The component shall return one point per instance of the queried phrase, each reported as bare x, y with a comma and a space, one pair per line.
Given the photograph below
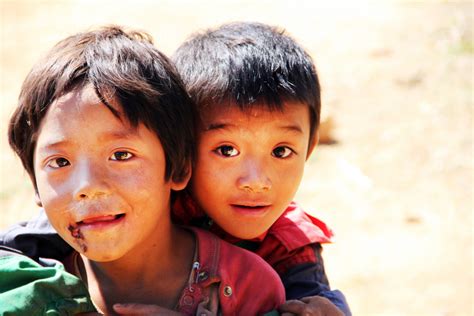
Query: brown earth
397, 77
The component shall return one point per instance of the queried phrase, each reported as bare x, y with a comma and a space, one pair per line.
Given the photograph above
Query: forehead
80, 113
294, 112
80, 101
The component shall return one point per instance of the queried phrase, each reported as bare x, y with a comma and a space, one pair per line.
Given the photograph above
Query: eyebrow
222, 126
57, 143
218, 126
127, 134
51, 145
292, 128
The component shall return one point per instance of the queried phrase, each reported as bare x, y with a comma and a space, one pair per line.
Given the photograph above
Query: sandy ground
397, 77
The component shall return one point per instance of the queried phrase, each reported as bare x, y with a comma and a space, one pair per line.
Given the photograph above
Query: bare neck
154, 272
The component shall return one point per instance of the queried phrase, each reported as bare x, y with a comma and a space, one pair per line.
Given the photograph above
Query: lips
250, 203
251, 209
101, 220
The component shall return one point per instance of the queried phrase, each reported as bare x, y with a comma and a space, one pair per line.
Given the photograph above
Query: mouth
251, 209
101, 221
250, 206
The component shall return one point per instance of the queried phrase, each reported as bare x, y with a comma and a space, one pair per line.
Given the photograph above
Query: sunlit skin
102, 184
250, 164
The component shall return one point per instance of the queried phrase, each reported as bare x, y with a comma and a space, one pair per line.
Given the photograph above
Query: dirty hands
310, 306
154, 310
137, 309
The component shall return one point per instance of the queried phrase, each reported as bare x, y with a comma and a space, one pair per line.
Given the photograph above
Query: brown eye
227, 151
121, 155
58, 163
282, 152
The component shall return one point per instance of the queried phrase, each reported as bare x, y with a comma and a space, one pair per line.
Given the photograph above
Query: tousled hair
248, 64
119, 64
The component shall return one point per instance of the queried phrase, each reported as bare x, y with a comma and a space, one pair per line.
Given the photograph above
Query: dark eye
282, 152
58, 163
227, 151
121, 155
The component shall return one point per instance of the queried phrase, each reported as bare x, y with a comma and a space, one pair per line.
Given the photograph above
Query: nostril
247, 188
82, 195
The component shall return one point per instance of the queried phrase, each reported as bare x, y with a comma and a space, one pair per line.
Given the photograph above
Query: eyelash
290, 152
219, 149
127, 153
55, 160
60, 162
287, 151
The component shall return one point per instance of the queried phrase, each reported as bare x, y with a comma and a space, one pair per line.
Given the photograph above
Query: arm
293, 248
27, 288
309, 279
36, 239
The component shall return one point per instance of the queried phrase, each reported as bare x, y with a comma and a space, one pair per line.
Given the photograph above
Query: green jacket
29, 288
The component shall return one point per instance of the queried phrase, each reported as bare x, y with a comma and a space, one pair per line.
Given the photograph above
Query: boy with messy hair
258, 99
104, 129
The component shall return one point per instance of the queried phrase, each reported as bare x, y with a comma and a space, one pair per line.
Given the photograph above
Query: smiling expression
101, 181
250, 164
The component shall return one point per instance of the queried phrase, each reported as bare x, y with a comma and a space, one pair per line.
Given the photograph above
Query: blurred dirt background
397, 78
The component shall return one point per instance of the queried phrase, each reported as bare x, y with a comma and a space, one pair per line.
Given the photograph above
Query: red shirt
237, 280
225, 280
287, 242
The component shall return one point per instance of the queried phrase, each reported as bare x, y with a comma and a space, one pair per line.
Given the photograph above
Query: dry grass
398, 82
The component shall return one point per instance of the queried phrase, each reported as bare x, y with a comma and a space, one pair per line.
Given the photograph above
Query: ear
182, 183
313, 144
38, 199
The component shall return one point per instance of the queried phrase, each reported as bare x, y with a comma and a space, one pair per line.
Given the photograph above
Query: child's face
101, 182
250, 165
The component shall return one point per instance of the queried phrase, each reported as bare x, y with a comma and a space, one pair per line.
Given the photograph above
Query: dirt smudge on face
78, 236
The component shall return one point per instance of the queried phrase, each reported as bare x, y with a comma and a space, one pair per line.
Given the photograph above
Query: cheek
55, 199
55, 187
204, 185
290, 177
142, 186
136, 176
60, 217
204, 172
139, 184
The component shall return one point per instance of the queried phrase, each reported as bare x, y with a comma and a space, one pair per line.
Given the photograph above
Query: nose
254, 177
90, 181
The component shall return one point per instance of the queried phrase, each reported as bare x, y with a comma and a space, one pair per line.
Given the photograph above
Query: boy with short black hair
104, 128
258, 99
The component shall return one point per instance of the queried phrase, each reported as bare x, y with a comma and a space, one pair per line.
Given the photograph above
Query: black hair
119, 64
248, 64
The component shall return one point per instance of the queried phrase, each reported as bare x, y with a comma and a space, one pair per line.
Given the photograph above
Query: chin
98, 254
101, 256
248, 233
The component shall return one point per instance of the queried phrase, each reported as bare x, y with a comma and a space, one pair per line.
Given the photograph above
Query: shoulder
295, 228
231, 260
30, 288
294, 239
35, 238
247, 283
